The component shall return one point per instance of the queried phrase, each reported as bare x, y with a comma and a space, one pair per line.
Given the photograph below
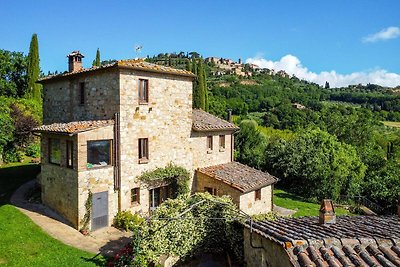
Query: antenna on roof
138, 48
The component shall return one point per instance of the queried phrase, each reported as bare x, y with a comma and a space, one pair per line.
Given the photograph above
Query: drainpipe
117, 156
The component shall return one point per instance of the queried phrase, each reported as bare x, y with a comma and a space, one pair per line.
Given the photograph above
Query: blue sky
315, 39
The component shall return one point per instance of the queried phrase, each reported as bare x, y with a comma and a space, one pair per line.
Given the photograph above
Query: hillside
320, 141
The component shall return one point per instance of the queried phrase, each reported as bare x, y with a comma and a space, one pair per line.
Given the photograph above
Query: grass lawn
22, 242
291, 201
395, 124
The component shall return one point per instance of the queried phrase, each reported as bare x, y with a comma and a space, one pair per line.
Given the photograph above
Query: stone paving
106, 241
283, 211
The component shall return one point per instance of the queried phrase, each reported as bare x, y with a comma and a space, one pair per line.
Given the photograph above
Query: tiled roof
73, 127
136, 64
351, 241
203, 121
239, 176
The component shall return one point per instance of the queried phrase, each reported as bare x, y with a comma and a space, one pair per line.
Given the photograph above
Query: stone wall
96, 179
203, 181
249, 205
262, 252
202, 157
165, 120
59, 183
245, 201
66, 190
61, 98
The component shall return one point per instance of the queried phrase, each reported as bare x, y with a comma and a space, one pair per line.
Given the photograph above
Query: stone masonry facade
165, 120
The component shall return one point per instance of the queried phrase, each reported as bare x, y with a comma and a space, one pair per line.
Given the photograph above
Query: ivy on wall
86, 218
177, 177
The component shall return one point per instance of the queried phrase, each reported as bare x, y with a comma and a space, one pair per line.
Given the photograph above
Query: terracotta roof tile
204, 121
239, 176
351, 241
73, 127
136, 64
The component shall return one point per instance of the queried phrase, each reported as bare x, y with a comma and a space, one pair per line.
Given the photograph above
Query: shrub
127, 221
12, 155
33, 150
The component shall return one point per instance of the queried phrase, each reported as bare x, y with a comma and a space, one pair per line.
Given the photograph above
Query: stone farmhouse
105, 126
324, 241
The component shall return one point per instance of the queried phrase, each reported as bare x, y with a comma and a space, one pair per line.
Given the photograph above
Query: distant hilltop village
228, 66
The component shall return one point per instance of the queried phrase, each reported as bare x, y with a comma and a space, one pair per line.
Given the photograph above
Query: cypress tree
97, 61
205, 89
196, 92
201, 85
34, 89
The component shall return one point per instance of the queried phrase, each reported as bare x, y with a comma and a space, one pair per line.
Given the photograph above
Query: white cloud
293, 66
383, 35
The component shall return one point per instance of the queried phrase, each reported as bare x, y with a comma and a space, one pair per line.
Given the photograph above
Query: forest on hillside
321, 142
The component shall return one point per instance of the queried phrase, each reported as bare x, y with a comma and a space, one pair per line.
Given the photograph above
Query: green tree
13, 75
97, 61
316, 164
201, 86
34, 89
188, 65
250, 144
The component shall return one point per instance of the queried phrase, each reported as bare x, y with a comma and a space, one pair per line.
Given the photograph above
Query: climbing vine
177, 177
186, 228
88, 206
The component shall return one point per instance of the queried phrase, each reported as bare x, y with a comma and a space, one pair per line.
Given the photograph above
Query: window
143, 91
82, 93
99, 153
143, 150
209, 143
54, 151
135, 195
257, 194
70, 154
222, 143
159, 195
212, 191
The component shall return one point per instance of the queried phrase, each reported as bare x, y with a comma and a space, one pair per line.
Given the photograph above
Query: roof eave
157, 71
72, 74
233, 130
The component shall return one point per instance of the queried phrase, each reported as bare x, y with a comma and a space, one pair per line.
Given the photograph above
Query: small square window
209, 143
135, 195
212, 191
99, 153
54, 151
143, 91
257, 194
143, 150
221, 142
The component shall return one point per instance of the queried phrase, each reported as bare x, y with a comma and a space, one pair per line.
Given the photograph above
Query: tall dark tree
327, 85
196, 91
201, 85
34, 89
97, 61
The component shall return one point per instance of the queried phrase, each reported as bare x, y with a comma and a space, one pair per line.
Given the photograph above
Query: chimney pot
327, 212
75, 61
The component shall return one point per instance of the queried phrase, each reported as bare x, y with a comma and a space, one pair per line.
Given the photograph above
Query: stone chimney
229, 115
327, 212
75, 61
